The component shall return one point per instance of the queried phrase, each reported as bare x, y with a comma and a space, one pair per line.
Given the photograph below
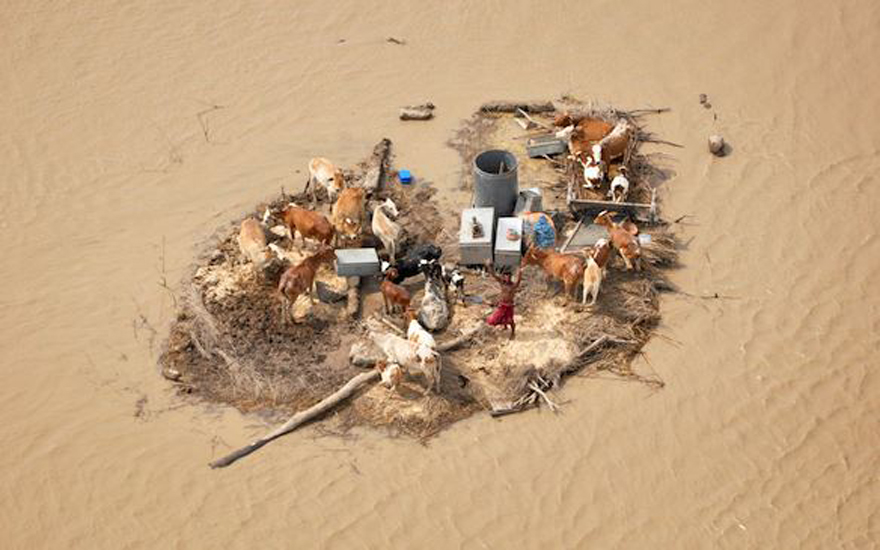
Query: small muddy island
361, 297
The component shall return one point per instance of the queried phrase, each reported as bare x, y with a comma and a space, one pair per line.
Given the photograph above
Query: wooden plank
512, 106
573, 233
608, 205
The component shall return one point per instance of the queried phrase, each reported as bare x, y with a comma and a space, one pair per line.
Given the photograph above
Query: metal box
529, 200
508, 252
360, 262
476, 251
545, 145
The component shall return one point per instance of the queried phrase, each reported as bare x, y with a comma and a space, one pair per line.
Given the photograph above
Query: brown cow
348, 213
324, 173
252, 243
308, 223
300, 279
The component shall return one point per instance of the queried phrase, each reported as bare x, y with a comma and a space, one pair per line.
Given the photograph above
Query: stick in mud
302, 417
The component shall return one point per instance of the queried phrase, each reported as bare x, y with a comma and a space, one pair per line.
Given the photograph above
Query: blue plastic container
405, 177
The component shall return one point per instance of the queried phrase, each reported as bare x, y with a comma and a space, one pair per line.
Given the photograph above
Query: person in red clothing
503, 314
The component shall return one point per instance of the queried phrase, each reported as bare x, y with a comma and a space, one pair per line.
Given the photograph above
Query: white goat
593, 172
410, 356
592, 279
619, 187
454, 280
386, 230
390, 373
417, 334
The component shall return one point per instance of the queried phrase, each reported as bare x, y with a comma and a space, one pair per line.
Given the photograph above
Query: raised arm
518, 278
491, 268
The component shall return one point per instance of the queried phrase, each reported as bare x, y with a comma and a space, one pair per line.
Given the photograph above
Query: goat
252, 243
425, 251
619, 187
434, 312
386, 230
432, 270
391, 374
414, 262
348, 213
601, 253
454, 280
394, 295
300, 279
416, 333
623, 238
594, 172
399, 272
324, 173
614, 145
566, 267
308, 223
592, 280
410, 356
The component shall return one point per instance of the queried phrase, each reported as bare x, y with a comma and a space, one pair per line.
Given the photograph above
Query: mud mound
230, 344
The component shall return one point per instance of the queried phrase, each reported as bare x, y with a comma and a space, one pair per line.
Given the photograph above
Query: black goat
415, 262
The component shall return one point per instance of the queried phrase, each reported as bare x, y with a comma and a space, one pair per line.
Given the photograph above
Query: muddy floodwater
129, 132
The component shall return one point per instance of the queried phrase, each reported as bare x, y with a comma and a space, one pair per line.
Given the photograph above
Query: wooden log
464, 337
378, 166
499, 409
609, 205
533, 121
573, 233
408, 113
512, 106
573, 366
302, 417
425, 111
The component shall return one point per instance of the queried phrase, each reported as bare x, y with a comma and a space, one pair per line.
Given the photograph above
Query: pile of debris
231, 343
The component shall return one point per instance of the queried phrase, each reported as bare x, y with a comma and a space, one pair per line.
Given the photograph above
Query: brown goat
308, 223
394, 295
300, 279
623, 238
567, 268
601, 253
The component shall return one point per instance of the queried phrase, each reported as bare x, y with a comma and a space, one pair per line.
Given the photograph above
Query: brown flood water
766, 435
